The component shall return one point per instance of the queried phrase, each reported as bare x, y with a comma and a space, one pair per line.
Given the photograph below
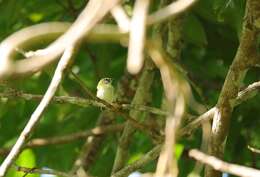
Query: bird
105, 90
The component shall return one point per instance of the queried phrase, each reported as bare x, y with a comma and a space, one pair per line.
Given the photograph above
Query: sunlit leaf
26, 159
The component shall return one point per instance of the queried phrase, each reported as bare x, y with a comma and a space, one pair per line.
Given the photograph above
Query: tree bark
246, 57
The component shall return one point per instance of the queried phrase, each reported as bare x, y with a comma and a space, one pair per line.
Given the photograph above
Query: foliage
211, 33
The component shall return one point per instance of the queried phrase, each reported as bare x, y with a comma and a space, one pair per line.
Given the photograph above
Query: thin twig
247, 93
243, 95
170, 11
92, 145
48, 171
97, 131
15, 94
87, 92
148, 157
141, 97
253, 149
220, 165
189, 128
93, 59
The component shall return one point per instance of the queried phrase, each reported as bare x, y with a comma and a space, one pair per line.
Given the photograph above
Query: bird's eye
107, 80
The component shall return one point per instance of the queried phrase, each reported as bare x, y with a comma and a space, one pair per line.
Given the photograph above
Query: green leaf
25, 159
36, 17
178, 150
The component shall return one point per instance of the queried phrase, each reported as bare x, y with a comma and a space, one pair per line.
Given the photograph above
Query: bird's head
105, 82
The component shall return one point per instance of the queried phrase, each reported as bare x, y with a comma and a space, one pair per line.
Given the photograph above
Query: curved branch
31, 35
90, 16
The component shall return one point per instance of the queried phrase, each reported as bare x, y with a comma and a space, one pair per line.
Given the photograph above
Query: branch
92, 146
121, 18
220, 165
242, 96
150, 156
38, 142
140, 98
16, 94
177, 92
188, 129
247, 93
246, 57
135, 57
170, 11
27, 170
185, 131
89, 17
35, 117
253, 149
31, 35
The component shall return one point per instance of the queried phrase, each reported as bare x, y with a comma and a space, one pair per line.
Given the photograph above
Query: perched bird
105, 90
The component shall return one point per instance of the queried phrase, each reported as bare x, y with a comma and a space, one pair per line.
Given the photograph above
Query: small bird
105, 90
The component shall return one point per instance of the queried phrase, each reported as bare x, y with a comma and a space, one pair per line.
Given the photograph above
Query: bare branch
43, 57
253, 149
41, 171
90, 16
243, 95
92, 146
220, 165
35, 117
188, 129
177, 92
15, 94
170, 11
38, 142
140, 98
150, 156
247, 93
135, 58
121, 18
